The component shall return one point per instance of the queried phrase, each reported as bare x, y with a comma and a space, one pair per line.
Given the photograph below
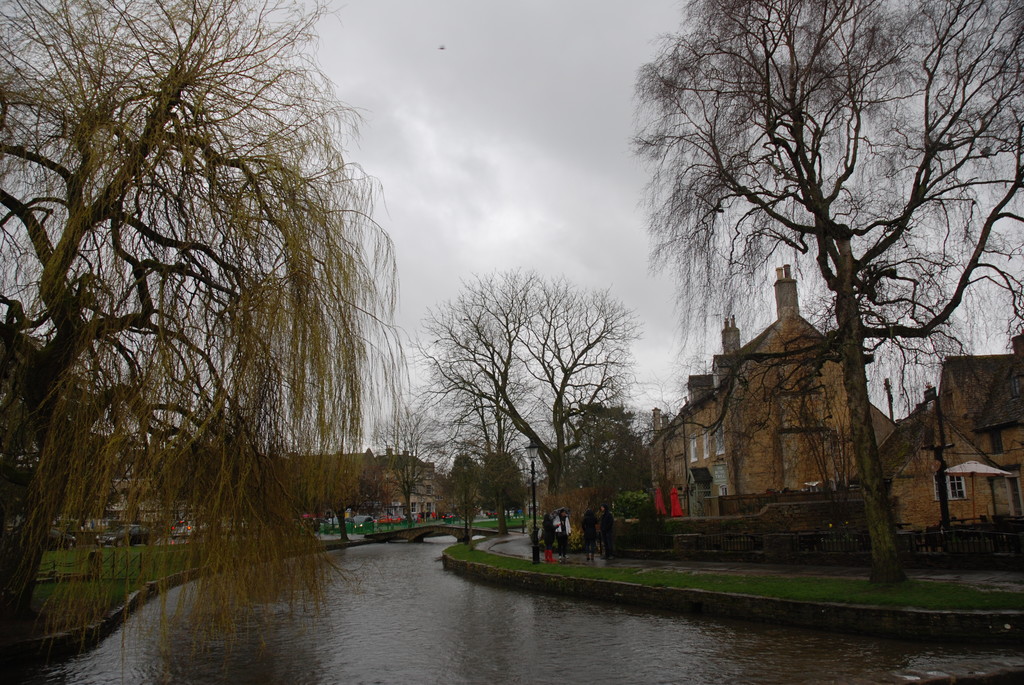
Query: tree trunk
885, 563
22, 548
18, 583
339, 513
553, 467
22, 551
502, 523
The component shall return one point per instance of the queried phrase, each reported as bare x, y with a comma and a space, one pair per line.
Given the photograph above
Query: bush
628, 505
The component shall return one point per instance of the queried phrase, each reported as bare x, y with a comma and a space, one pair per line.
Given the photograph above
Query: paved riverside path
518, 545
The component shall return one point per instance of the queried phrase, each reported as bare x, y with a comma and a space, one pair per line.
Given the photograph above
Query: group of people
597, 533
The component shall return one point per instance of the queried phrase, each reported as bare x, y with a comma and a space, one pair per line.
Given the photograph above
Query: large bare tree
192, 291
406, 438
488, 437
538, 352
878, 142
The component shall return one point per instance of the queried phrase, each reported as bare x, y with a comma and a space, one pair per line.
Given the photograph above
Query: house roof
912, 441
791, 334
991, 375
907, 441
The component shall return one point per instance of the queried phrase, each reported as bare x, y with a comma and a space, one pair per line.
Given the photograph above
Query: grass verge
918, 594
106, 574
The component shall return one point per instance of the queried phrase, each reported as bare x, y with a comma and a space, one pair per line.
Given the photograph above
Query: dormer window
996, 437
1015, 383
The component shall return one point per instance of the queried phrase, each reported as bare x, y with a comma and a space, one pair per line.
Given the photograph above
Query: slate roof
795, 332
913, 438
907, 440
991, 375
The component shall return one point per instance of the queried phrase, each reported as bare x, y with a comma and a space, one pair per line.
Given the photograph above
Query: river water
403, 619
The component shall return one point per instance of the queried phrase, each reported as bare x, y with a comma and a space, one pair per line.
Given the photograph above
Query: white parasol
974, 468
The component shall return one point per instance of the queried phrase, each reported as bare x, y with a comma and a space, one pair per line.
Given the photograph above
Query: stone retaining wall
777, 516
1006, 627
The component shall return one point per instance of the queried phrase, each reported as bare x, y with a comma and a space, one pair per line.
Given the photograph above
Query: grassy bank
106, 574
913, 594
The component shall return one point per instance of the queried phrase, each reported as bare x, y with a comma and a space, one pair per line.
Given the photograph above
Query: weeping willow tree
194, 299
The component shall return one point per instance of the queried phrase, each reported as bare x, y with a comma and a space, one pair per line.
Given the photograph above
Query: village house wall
982, 411
770, 416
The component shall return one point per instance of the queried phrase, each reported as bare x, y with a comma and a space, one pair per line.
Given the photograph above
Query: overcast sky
500, 133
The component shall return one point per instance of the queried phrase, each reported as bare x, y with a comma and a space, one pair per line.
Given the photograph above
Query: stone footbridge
418, 533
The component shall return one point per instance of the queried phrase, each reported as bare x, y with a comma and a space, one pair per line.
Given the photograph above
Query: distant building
409, 471
770, 417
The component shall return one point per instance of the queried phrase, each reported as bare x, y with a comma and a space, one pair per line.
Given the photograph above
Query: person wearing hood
547, 528
562, 530
607, 523
589, 534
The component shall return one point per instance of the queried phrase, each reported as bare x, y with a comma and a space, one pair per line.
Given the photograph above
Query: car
124, 535
60, 540
359, 519
311, 522
181, 529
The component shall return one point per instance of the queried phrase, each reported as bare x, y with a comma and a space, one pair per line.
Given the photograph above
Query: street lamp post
531, 451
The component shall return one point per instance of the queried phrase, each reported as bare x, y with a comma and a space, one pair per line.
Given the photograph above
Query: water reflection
405, 620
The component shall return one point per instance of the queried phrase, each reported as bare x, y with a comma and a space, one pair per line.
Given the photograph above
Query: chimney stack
657, 419
786, 304
730, 336
1018, 344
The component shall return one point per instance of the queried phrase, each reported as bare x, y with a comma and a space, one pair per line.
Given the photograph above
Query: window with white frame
693, 448
707, 445
954, 487
720, 440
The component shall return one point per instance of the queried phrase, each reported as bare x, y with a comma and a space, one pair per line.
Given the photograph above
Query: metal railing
834, 541
98, 564
644, 541
730, 542
963, 541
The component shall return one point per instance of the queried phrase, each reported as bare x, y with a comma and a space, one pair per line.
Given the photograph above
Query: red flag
677, 509
659, 502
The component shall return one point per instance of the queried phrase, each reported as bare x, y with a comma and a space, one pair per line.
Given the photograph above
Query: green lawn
512, 523
115, 571
914, 593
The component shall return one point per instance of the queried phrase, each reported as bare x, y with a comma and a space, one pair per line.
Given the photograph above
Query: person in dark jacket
607, 523
589, 534
547, 528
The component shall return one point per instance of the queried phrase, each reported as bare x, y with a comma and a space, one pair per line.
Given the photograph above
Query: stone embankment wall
976, 626
778, 517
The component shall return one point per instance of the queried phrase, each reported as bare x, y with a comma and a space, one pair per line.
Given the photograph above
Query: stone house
407, 471
979, 399
770, 417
